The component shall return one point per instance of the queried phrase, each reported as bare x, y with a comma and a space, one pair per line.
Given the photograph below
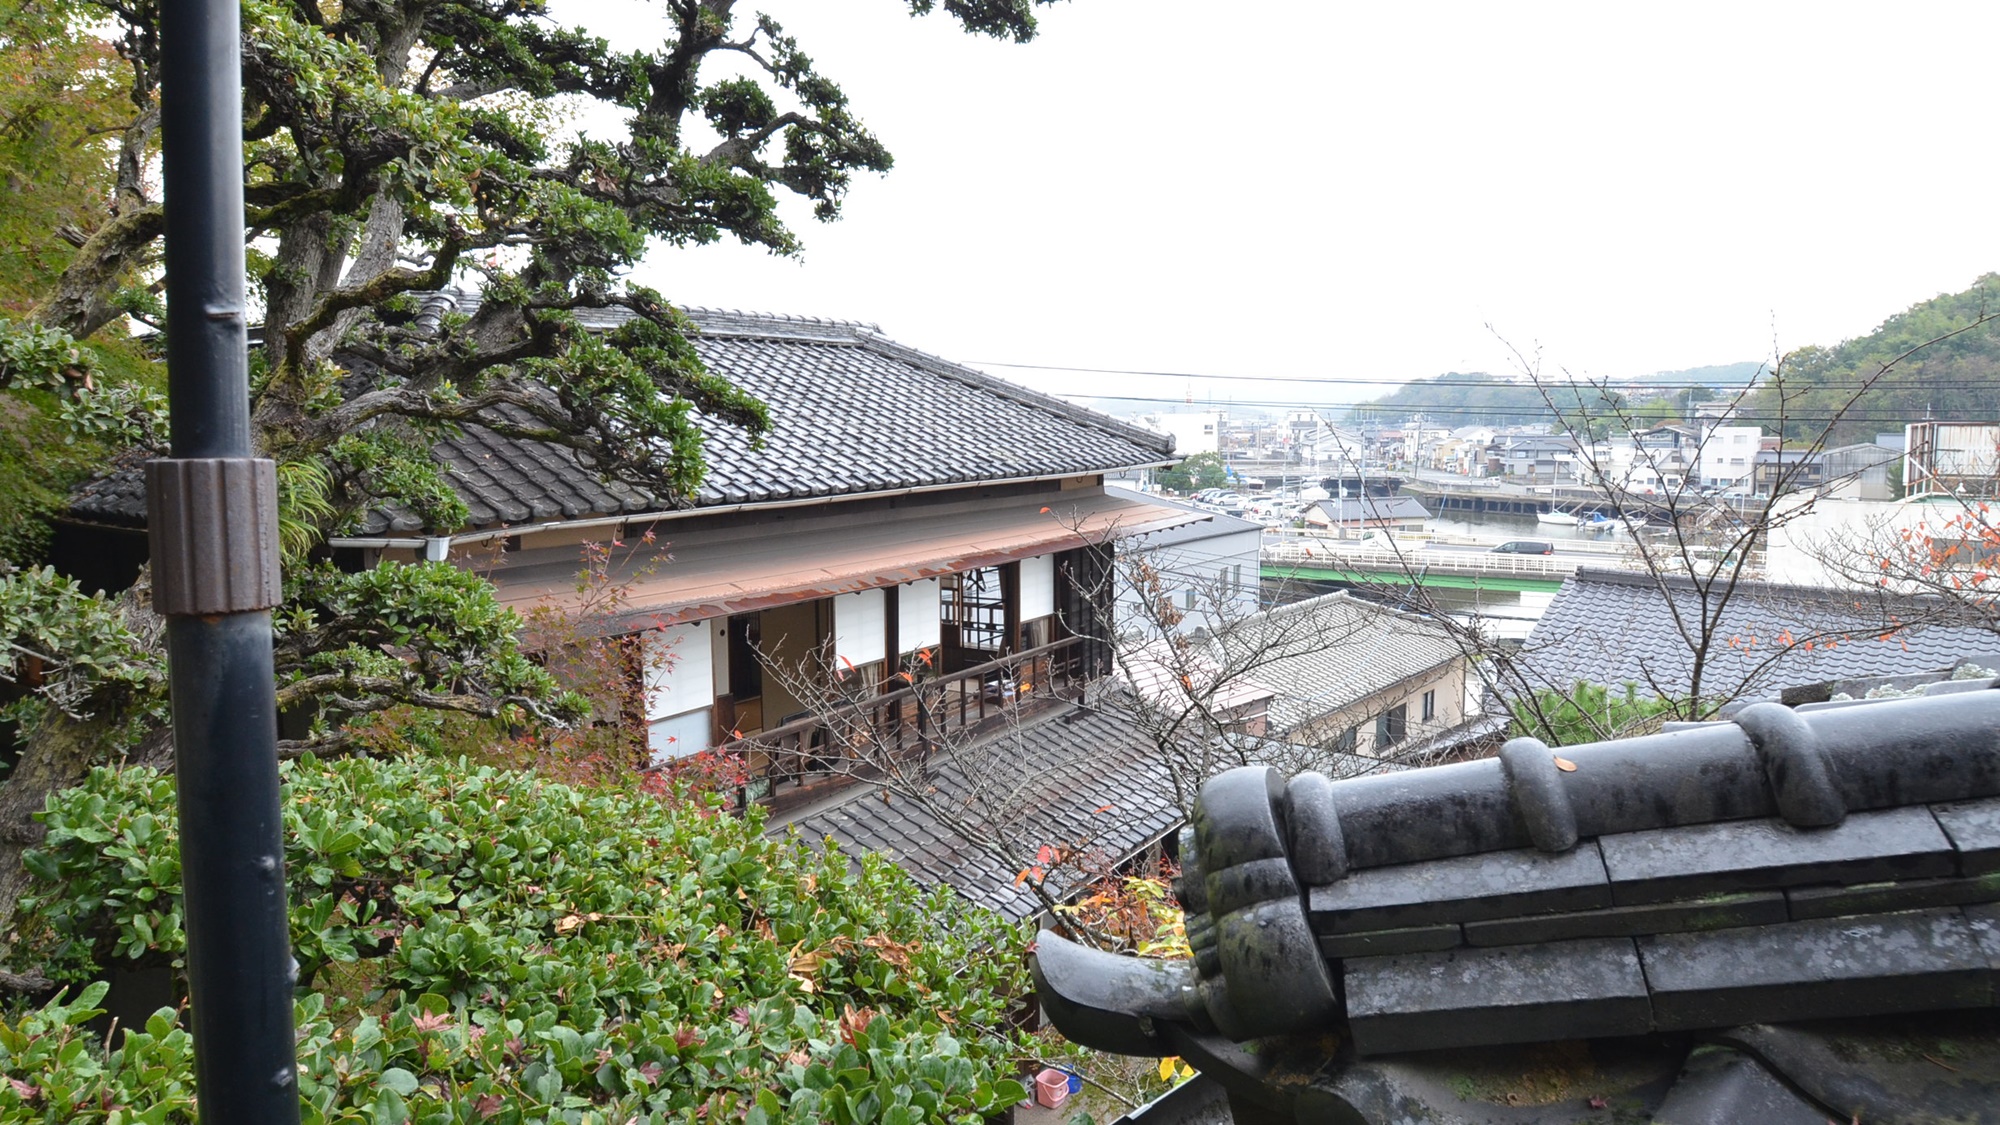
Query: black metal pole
212, 519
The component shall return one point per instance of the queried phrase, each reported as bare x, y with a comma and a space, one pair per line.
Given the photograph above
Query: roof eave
662, 515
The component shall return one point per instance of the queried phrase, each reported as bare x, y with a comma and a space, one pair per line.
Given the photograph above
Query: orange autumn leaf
1565, 765
853, 1022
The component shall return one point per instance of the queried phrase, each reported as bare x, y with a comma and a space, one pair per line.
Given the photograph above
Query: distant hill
1460, 399
1844, 388
1467, 398
1722, 376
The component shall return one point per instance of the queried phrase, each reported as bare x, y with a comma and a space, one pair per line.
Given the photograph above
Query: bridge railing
1308, 552
1409, 541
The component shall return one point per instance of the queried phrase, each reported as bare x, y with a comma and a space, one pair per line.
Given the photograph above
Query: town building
1193, 431
1960, 458
1863, 471
1355, 517
1358, 678
1207, 571
1728, 455
1537, 459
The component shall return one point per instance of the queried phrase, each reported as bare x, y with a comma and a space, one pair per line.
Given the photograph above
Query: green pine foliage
480, 945
1588, 713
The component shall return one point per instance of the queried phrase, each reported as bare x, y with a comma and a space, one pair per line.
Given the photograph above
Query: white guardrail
1408, 554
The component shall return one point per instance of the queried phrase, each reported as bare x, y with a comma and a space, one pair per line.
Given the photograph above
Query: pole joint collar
212, 523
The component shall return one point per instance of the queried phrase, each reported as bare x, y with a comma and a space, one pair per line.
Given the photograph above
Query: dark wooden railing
800, 761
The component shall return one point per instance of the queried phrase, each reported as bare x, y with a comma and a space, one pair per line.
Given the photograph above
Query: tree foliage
395, 148
1588, 713
77, 653
62, 93
392, 149
1937, 359
1194, 473
1460, 399
62, 90
485, 945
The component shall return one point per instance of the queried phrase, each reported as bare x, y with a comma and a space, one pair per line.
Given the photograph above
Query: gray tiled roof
1325, 653
1080, 760
1811, 887
1616, 627
852, 413
1374, 508
118, 497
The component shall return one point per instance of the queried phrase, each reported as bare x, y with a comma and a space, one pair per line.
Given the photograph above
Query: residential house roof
1539, 443
1323, 654
1618, 627
1874, 451
1360, 509
1074, 777
1215, 526
852, 412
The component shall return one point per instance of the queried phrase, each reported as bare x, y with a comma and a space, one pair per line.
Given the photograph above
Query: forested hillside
1456, 399
1953, 374
1724, 378
1461, 399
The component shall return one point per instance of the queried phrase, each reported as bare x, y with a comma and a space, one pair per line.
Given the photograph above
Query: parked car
1525, 547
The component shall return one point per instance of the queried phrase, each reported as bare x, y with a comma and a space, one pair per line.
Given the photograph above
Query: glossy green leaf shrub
485, 945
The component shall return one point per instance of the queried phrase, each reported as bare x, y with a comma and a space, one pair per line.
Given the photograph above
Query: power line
1736, 416
1762, 380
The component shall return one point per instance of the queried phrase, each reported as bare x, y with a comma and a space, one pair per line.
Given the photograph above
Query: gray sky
1355, 191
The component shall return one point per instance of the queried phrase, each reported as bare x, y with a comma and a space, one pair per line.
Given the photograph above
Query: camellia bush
485, 945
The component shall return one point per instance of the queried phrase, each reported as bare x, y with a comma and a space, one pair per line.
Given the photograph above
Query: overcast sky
1356, 191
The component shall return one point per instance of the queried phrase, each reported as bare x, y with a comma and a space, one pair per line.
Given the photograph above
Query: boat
1559, 515
1605, 521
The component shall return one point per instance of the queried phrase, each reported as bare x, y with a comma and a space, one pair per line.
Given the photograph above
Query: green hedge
480, 945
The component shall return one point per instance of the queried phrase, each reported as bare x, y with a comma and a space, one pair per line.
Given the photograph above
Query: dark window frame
1392, 726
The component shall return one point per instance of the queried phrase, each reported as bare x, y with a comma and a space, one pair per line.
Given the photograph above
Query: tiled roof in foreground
1363, 948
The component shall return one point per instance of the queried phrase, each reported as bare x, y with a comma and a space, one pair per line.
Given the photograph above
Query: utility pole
212, 519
